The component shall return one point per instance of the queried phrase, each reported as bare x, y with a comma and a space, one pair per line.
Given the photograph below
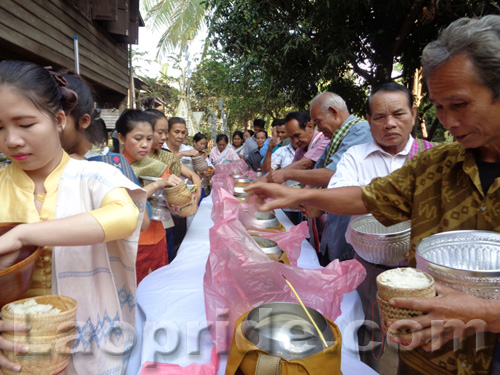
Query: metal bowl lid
244, 180
267, 219
238, 176
239, 189
268, 246
368, 226
148, 180
283, 329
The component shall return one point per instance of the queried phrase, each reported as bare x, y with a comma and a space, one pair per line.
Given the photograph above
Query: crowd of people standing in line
440, 188
100, 235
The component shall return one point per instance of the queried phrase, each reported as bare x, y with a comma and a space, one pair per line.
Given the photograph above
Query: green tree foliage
179, 21
153, 91
241, 86
305, 46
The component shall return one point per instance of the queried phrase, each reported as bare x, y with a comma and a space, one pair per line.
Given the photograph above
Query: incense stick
307, 312
193, 189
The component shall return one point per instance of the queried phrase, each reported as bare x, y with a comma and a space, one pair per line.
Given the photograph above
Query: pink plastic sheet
239, 276
222, 178
157, 368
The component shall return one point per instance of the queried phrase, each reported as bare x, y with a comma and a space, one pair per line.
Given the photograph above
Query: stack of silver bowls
240, 183
466, 260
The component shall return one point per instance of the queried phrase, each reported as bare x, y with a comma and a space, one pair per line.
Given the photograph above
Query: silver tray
466, 260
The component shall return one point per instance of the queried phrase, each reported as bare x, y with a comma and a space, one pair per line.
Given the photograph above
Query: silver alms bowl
283, 329
239, 190
377, 243
158, 200
238, 176
466, 260
242, 180
267, 219
268, 246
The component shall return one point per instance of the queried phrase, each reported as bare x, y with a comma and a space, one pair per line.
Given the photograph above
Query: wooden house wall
42, 31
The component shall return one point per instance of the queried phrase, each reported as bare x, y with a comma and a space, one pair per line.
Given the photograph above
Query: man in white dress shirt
391, 115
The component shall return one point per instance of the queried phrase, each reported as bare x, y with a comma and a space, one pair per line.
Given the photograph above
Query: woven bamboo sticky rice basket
200, 164
388, 313
50, 338
180, 196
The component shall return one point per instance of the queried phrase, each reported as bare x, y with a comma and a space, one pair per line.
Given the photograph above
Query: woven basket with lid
200, 164
50, 338
388, 313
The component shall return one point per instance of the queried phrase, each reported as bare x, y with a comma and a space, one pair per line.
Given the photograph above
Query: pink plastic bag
251, 174
239, 277
219, 183
157, 368
225, 204
235, 167
289, 241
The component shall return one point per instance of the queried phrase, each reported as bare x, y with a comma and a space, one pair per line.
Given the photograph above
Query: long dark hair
85, 103
96, 132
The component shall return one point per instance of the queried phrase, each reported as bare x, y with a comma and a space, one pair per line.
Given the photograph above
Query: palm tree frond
179, 21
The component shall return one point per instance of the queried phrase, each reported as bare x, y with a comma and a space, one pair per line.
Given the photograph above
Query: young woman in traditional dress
85, 215
135, 133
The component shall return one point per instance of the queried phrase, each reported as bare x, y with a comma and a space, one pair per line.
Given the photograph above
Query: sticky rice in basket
52, 321
401, 282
